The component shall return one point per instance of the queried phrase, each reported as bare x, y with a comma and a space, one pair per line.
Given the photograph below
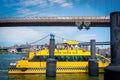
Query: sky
24, 8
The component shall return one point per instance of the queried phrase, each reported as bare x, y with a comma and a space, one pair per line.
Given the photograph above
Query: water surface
5, 60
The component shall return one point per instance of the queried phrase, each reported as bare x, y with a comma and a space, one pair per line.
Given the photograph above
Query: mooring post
93, 63
112, 72
51, 62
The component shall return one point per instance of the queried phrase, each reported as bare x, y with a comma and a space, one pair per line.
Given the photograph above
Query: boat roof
71, 42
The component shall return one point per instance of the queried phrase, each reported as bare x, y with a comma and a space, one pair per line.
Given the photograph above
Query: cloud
21, 12
58, 1
18, 35
62, 3
21, 35
25, 12
31, 7
86, 37
35, 7
66, 5
33, 3
38, 3
25, 3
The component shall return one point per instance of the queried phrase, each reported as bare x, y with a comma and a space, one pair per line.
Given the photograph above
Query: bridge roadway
97, 43
94, 21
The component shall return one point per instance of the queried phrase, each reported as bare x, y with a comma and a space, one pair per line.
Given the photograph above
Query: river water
5, 60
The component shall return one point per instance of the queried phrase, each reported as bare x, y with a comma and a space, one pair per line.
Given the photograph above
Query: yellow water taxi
69, 60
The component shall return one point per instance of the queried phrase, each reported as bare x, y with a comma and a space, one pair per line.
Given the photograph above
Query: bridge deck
55, 21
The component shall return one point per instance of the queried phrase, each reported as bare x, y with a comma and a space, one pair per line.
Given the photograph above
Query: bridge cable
39, 39
70, 39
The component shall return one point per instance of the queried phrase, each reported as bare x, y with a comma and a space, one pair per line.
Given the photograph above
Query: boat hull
62, 67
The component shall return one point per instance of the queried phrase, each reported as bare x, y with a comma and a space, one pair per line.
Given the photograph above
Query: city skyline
22, 8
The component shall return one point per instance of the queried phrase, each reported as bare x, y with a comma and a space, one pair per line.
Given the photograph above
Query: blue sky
22, 8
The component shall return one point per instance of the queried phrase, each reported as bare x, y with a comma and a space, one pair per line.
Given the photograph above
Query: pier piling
93, 63
51, 61
112, 72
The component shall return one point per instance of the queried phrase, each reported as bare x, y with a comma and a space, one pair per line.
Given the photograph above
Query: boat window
72, 58
35, 58
62, 58
39, 58
102, 59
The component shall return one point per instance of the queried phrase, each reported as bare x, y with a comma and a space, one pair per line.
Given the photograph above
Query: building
12, 50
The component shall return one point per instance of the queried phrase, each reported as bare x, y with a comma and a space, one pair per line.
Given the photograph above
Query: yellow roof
71, 42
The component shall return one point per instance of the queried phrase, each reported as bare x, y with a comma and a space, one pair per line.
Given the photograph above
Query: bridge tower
93, 63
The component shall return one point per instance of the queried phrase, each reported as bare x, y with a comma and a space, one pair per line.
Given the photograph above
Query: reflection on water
5, 60
75, 76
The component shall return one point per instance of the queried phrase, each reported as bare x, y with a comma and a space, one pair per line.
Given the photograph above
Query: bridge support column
93, 63
112, 72
51, 62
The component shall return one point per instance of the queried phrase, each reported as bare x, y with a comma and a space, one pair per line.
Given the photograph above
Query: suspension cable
39, 39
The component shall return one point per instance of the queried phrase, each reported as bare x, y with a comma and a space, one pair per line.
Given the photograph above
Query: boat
69, 60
